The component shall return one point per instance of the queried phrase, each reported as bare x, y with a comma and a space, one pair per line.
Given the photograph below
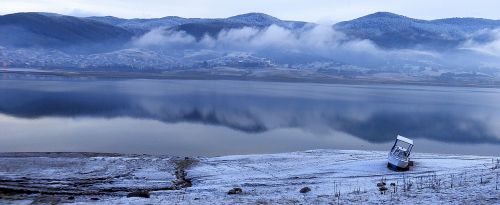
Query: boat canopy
404, 139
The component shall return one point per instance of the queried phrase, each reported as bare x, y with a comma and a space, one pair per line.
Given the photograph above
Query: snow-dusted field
333, 177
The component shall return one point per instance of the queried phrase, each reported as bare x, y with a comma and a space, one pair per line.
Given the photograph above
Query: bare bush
496, 183
336, 190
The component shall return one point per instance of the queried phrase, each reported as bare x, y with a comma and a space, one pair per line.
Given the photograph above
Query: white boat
399, 157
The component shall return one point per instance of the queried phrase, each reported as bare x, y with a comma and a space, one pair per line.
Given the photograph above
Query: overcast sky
306, 10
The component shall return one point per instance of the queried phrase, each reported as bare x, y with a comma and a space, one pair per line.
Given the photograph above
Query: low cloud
161, 37
491, 47
322, 42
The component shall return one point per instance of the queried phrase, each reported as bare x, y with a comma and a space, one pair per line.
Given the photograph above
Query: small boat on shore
399, 156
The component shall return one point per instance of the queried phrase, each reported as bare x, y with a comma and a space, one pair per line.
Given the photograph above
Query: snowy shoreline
333, 176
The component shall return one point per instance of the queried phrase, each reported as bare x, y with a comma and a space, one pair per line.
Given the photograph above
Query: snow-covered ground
333, 176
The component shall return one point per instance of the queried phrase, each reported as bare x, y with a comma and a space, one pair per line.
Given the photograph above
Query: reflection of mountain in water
371, 114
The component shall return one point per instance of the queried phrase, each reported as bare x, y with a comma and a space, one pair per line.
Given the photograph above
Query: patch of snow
334, 176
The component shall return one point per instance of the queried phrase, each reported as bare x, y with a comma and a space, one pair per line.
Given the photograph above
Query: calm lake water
180, 117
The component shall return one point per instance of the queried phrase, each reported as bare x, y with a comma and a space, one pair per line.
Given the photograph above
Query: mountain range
57, 31
385, 29
48, 40
396, 31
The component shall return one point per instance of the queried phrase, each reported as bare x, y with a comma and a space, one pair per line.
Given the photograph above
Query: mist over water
236, 117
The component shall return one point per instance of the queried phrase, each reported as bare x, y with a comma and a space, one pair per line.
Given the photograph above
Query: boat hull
397, 164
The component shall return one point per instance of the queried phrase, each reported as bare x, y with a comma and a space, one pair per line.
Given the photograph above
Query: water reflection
370, 113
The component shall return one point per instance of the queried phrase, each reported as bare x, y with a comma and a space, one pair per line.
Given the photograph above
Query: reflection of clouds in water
127, 135
373, 114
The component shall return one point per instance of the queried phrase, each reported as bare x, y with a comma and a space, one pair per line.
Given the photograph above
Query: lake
217, 117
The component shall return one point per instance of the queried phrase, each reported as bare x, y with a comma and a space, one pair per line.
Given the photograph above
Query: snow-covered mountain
45, 30
385, 29
140, 26
386, 43
396, 31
